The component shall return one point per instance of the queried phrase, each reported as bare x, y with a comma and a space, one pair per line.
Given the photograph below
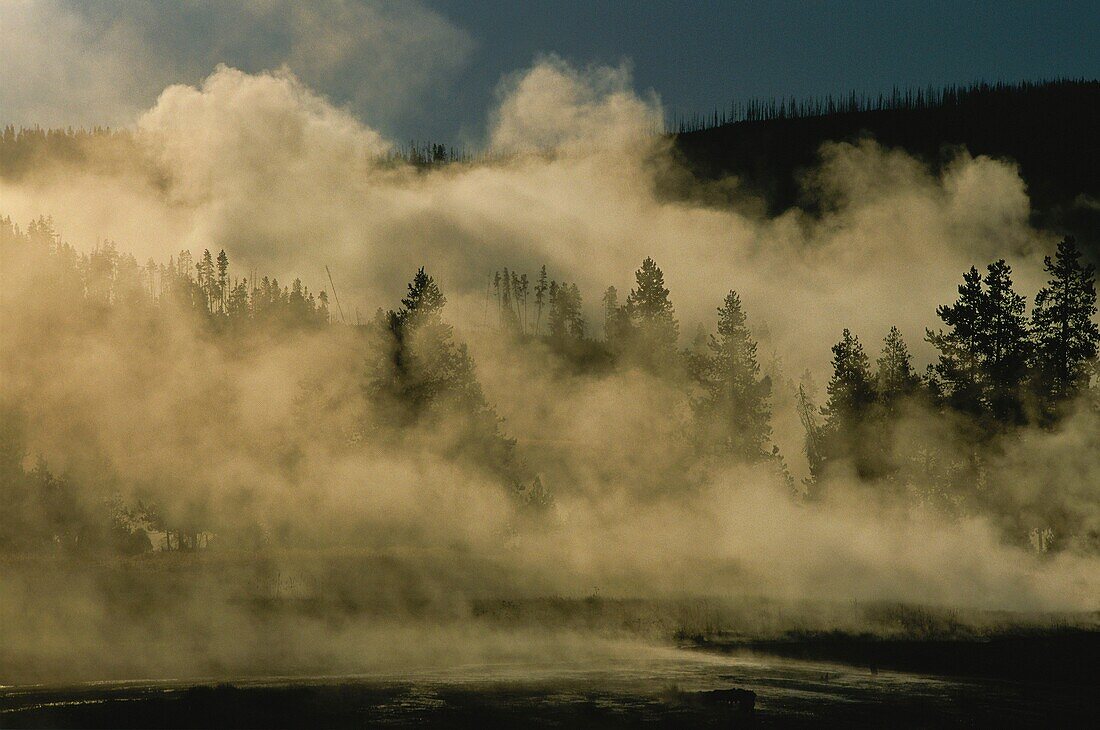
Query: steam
389, 59
287, 183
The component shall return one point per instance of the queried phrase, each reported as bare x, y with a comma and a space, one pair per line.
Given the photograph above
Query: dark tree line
423, 155
420, 376
998, 369
22, 149
207, 287
1045, 127
898, 100
50, 510
730, 398
1004, 368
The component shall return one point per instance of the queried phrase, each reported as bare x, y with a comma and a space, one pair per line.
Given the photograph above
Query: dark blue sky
428, 69
699, 54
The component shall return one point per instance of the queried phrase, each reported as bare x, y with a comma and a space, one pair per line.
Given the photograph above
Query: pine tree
1066, 336
655, 327
566, 318
298, 308
734, 414
958, 369
850, 390
150, 279
610, 312
508, 319
616, 321
207, 282
238, 308
524, 284
427, 378
848, 409
555, 318
984, 356
424, 299
425, 364
895, 379
517, 297
541, 289
814, 443
1005, 344
223, 280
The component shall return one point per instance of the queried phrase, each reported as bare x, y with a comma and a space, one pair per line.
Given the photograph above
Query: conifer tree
238, 307
734, 413
206, 280
1066, 336
574, 313
541, 289
524, 284
610, 311
427, 378
150, 279
655, 327
555, 319
425, 365
847, 411
566, 318
223, 280
895, 378
1005, 344
508, 319
958, 369
984, 355
814, 442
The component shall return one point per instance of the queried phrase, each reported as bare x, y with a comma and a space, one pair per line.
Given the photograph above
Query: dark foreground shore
670, 688
561, 662
1068, 656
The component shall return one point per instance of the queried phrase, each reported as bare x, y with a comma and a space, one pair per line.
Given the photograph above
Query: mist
313, 492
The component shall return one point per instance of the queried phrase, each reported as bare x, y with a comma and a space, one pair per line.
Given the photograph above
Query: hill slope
1050, 129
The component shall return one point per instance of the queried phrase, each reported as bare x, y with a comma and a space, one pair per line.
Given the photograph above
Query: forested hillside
1001, 370
560, 366
1050, 129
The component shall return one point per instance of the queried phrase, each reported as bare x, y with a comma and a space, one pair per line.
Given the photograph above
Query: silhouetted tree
734, 414
849, 406
222, 280
610, 312
566, 318
813, 446
1065, 336
984, 355
655, 329
959, 366
541, 289
426, 379
895, 377
521, 289
508, 320
1005, 344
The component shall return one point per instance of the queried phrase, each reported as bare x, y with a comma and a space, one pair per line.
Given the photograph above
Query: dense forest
1002, 371
1048, 128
